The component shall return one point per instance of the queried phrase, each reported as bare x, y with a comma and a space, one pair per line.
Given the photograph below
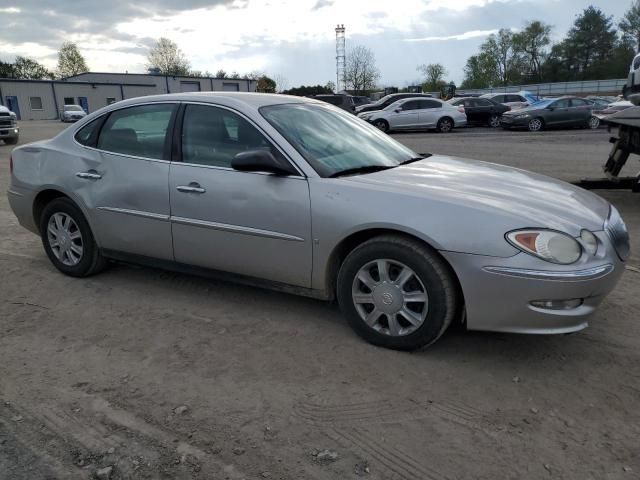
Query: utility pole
341, 59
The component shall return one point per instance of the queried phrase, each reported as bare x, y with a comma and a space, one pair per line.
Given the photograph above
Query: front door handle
90, 175
191, 188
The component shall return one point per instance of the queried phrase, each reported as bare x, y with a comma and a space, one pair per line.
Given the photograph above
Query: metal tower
341, 60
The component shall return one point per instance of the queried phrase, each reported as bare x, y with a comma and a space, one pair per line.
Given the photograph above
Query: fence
588, 87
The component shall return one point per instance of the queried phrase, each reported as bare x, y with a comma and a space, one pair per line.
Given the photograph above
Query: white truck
9, 131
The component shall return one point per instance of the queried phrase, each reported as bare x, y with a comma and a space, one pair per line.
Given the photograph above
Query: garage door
189, 86
231, 87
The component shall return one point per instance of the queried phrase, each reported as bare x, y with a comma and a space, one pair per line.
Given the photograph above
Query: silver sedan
296, 194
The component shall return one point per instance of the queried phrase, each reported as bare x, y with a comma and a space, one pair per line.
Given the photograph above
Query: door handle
90, 175
191, 188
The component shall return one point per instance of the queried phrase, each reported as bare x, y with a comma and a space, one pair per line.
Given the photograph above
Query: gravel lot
141, 373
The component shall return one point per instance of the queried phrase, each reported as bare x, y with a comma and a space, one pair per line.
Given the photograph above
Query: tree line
593, 49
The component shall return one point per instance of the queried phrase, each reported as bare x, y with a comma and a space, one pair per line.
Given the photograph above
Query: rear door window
139, 131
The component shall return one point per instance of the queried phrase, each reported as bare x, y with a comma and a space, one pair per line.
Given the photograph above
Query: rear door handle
191, 188
90, 175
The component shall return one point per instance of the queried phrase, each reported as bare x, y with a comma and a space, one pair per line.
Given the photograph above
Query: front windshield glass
73, 108
334, 141
543, 103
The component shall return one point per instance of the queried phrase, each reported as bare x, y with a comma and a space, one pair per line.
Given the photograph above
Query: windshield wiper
415, 159
356, 170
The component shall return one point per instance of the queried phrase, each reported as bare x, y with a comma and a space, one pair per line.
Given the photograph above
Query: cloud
461, 36
10, 10
321, 4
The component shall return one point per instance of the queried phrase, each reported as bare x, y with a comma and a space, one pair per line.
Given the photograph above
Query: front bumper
9, 132
498, 291
509, 122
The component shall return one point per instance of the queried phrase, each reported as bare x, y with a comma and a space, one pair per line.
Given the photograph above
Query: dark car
345, 102
550, 113
481, 110
384, 102
361, 100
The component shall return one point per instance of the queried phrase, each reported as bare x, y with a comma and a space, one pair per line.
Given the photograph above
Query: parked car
558, 112
417, 113
481, 110
513, 100
612, 108
361, 100
9, 131
631, 90
344, 102
72, 113
306, 197
384, 102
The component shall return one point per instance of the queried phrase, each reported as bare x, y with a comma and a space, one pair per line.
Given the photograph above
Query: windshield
74, 108
543, 103
334, 141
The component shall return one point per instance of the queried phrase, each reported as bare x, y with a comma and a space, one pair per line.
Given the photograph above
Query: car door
558, 112
122, 177
484, 109
247, 223
580, 110
404, 115
430, 112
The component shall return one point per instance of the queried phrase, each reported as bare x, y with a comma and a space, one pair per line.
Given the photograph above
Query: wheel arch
357, 238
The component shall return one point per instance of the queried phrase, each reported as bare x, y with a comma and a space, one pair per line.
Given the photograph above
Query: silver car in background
300, 195
417, 114
72, 113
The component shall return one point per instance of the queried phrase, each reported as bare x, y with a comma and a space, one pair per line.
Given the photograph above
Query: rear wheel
68, 240
397, 293
593, 123
445, 125
494, 121
11, 141
381, 125
535, 125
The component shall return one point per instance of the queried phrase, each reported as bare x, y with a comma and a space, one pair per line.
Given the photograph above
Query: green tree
70, 60
7, 70
434, 74
221, 74
630, 26
481, 71
168, 58
28, 69
532, 43
266, 85
508, 61
304, 90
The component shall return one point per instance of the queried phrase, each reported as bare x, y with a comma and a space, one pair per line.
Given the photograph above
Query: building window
110, 100
36, 103
69, 101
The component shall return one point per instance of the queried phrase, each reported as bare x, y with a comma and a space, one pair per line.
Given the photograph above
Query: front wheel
397, 293
445, 125
68, 240
381, 125
494, 121
593, 123
535, 125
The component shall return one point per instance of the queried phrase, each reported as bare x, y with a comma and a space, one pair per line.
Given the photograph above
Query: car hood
508, 196
524, 109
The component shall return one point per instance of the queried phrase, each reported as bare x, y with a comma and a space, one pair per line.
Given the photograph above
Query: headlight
589, 242
548, 245
364, 116
523, 115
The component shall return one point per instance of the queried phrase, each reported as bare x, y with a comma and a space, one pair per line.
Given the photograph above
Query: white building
44, 99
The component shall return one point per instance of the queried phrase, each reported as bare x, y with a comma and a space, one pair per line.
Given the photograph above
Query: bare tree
434, 76
70, 60
282, 83
221, 74
361, 72
168, 58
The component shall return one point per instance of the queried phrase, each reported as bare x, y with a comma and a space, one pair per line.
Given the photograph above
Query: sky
292, 40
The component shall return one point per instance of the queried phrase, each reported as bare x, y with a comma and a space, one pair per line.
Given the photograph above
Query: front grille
617, 231
4, 114
5, 123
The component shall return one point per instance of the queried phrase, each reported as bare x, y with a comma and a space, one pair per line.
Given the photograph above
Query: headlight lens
523, 115
589, 242
548, 245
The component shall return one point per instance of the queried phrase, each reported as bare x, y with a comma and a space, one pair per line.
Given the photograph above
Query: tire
11, 141
445, 125
593, 123
381, 125
430, 277
494, 121
77, 233
535, 124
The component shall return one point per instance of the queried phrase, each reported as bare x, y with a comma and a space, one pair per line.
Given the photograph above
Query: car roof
255, 100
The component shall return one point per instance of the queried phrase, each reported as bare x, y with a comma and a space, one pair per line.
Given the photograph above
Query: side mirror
551, 109
261, 161
398, 110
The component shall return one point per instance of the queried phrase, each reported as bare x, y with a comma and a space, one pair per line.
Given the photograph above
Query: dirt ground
141, 373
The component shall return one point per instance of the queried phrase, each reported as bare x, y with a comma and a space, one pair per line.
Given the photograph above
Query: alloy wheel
494, 121
390, 298
445, 125
594, 122
381, 125
535, 125
65, 239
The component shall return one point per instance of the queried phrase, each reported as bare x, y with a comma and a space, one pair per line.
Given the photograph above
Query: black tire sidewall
90, 252
434, 323
541, 125
441, 121
381, 122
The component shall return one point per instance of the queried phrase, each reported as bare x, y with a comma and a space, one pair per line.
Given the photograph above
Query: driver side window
213, 136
